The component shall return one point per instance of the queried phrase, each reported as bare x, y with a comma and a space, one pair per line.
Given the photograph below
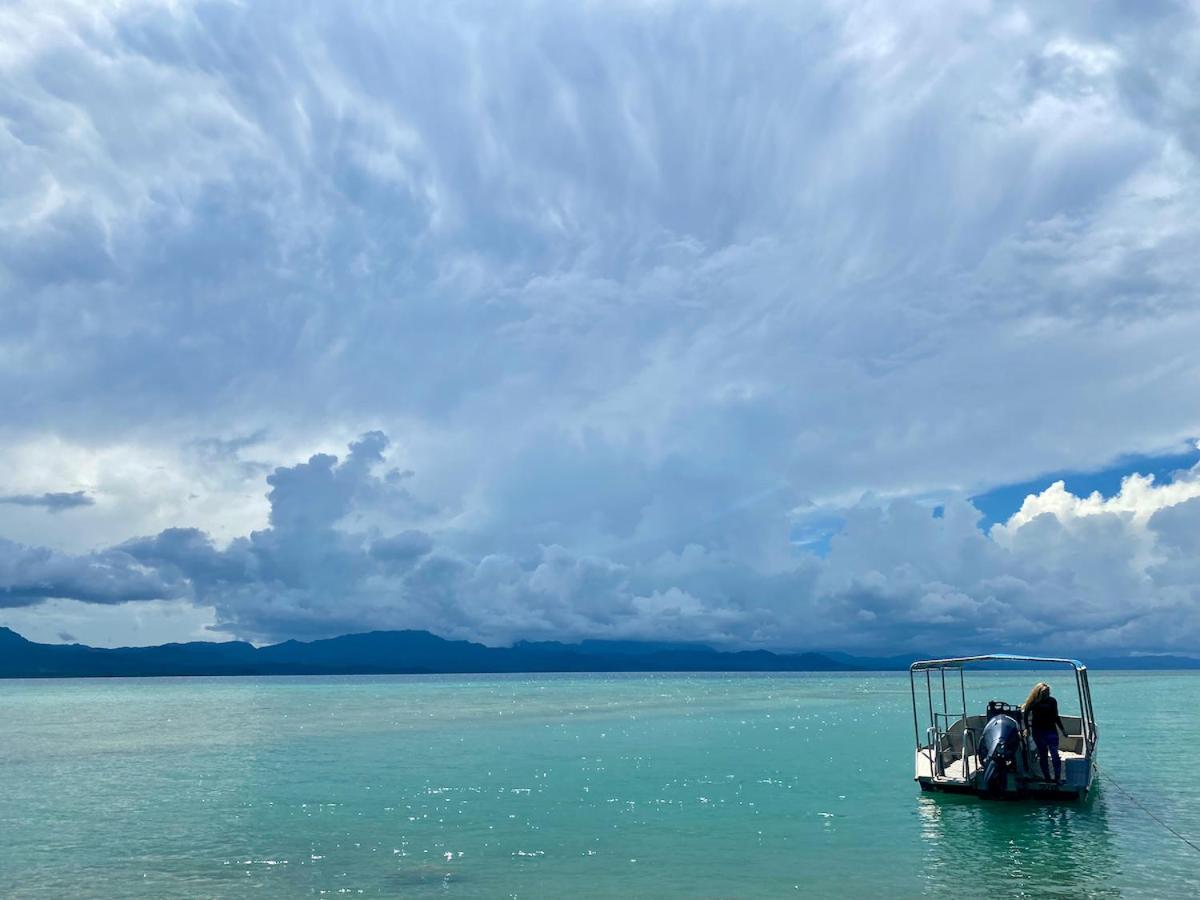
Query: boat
986, 751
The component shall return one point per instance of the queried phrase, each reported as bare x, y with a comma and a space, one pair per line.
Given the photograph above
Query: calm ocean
494, 786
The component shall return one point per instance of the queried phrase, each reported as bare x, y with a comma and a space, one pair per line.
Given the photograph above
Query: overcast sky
623, 319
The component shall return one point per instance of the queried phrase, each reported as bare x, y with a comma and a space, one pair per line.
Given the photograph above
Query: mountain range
420, 652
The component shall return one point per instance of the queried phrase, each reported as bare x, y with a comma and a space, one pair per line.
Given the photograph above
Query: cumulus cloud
646, 293
1092, 573
312, 570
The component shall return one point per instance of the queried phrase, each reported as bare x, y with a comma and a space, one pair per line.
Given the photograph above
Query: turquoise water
493, 786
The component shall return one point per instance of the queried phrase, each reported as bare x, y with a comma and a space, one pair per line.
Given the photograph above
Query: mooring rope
1144, 808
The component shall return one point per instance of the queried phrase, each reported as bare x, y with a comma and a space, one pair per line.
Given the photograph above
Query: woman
1041, 717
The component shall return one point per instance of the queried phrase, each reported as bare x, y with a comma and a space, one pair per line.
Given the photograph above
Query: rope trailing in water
1144, 808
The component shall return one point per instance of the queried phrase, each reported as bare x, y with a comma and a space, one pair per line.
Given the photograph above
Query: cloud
788, 199
1100, 574
644, 293
29, 575
1064, 570
52, 502
311, 571
1138, 500
402, 548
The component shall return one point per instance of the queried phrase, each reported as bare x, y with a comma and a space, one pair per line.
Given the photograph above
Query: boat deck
953, 771
1076, 771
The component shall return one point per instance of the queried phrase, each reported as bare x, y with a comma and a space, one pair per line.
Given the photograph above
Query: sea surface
565, 786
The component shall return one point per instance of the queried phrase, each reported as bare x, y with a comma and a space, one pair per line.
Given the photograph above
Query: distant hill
419, 652
388, 652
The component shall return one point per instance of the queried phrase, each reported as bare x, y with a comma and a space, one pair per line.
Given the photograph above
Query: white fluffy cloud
632, 286
1064, 571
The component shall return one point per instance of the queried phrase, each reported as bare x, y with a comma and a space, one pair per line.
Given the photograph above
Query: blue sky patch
998, 504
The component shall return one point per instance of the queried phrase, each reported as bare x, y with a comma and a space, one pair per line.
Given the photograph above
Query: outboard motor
997, 753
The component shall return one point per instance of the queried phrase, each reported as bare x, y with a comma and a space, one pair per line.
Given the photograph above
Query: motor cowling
996, 752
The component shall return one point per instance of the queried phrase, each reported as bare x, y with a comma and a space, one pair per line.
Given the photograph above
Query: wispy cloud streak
53, 501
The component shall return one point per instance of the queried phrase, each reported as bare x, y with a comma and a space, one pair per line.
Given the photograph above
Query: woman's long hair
1040, 690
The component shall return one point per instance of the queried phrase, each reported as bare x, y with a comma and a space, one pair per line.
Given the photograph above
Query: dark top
1043, 715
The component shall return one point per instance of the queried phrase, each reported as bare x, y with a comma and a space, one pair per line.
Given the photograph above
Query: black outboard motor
997, 753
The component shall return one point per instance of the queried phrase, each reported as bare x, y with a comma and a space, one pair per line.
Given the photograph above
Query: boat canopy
957, 661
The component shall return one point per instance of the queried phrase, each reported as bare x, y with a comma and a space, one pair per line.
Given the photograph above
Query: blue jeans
1048, 741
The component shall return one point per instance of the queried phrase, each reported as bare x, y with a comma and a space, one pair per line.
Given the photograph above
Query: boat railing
967, 732
940, 740
933, 741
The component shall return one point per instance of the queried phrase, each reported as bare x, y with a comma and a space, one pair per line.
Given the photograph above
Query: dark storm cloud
29, 575
642, 290
812, 191
402, 548
1088, 571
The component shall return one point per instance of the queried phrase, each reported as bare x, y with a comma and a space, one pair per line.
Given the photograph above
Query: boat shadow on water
1017, 848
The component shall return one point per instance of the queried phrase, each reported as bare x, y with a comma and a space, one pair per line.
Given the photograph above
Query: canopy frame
960, 663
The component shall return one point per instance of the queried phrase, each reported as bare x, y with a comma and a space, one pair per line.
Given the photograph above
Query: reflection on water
1016, 848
